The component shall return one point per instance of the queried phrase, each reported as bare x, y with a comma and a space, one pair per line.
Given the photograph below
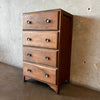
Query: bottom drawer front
40, 73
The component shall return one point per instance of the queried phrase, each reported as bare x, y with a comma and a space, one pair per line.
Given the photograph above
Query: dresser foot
25, 78
66, 81
55, 88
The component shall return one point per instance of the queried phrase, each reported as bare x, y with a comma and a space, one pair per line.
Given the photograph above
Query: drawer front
41, 21
39, 72
42, 56
40, 39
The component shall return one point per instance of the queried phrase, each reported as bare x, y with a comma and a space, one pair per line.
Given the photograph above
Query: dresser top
61, 10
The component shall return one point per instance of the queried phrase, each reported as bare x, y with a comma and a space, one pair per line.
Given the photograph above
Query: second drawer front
42, 56
40, 39
39, 72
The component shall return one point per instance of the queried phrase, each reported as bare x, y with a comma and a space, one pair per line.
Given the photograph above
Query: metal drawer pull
28, 22
28, 70
48, 20
47, 40
47, 58
28, 39
29, 55
46, 75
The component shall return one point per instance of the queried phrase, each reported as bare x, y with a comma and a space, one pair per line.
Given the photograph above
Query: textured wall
85, 64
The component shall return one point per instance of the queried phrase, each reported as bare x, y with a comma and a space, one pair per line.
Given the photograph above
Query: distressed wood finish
39, 56
58, 46
38, 21
39, 73
45, 39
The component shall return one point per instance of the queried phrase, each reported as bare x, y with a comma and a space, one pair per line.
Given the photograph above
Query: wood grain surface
38, 72
38, 56
39, 39
38, 21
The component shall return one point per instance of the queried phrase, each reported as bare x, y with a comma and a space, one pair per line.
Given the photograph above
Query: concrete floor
12, 87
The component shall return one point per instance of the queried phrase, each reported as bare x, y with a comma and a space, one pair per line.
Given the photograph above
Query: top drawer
41, 21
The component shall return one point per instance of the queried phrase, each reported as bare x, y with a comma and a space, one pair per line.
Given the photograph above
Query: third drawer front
42, 56
40, 39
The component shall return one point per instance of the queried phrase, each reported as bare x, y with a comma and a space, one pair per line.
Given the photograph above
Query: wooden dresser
47, 46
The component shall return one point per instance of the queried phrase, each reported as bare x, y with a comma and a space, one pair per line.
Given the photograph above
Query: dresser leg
25, 78
66, 81
55, 88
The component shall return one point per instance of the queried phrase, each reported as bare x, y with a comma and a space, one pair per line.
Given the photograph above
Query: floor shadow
12, 87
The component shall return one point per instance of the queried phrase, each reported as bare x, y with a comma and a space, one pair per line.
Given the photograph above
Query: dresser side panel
65, 48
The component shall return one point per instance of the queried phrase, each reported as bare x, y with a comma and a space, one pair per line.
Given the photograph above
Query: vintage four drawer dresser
47, 46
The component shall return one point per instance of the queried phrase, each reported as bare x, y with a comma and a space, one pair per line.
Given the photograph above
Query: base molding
53, 86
